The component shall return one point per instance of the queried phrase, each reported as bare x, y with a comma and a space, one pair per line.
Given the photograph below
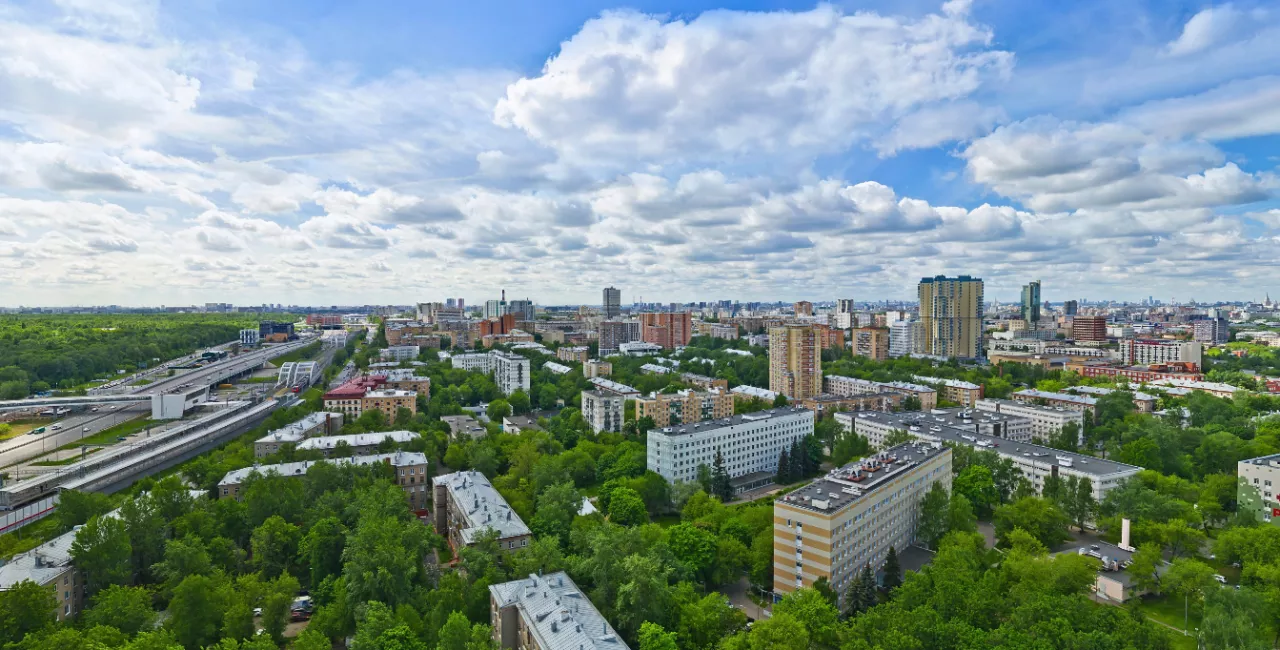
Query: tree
102, 551
519, 402
720, 486
912, 403
237, 622
704, 622
704, 477
977, 485
383, 559
275, 615
76, 508
693, 547
779, 401
860, 594
127, 609
182, 557
147, 531
321, 549
932, 524
1143, 568
892, 571
644, 596
1230, 620
626, 507
1079, 502
1190, 579
498, 409
310, 639
557, 507
196, 612
1040, 517
25, 608
274, 545
960, 517
783, 476
653, 637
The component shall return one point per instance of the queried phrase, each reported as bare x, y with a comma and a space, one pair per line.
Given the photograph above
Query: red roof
357, 387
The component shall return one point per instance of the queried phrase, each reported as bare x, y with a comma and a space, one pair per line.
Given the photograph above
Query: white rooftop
557, 614
299, 468
950, 383
557, 368
357, 439
296, 431
612, 386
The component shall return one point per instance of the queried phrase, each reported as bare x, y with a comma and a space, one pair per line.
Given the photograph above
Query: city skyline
302, 153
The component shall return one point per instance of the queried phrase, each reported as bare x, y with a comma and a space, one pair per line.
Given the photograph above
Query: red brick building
1089, 328
502, 325
667, 329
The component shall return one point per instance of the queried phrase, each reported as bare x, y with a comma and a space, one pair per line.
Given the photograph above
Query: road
244, 362
27, 446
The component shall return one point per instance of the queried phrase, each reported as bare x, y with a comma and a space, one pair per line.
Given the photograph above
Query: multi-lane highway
69, 430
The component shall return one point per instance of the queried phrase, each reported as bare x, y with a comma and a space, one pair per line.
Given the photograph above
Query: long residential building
412, 471
360, 444
1145, 352
510, 371
964, 393
851, 517
795, 361
1145, 403
1034, 462
666, 329
1046, 421
871, 342
1257, 488
1065, 401
404, 379
323, 423
852, 386
685, 406
749, 443
1215, 388
613, 333
466, 505
365, 393
548, 612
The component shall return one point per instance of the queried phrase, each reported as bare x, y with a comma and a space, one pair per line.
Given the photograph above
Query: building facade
795, 361
964, 393
1258, 488
1031, 303
951, 316
597, 368
1154, 351
851, 517
685, 406
871, 342
612, 304
1046, 421
578, 353
466, 504
321, 423
749, 444
1089, 328
845, 313
603, 410
1213, 331
903, 335
802, 308
666, 329
510, 371
613, 333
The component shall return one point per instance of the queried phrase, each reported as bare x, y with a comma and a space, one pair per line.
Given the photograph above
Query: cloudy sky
326, 152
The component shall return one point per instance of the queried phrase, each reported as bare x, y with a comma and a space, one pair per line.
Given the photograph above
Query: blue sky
335, 152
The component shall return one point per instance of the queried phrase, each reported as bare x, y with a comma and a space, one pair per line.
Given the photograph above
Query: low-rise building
704, 382
956, 391
358, 444
412, 471
1046, 420
1145, 352
462, 427
404, 379
639, 349
399, 353
597, 368
1217, 389
556, 368
1046, 361
654, 369
685, 406
613, 387
467, 505
578, 353
1137, 374
250, 338
50, 566
1034, 462
548, 613
747, 393
750, 445
828, 403
1068, 401
850, 518
926, 394
321, 423
1144, 402
603, 410
1258, 488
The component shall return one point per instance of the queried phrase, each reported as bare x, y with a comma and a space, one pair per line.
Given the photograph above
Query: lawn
19, 427
108, 436
1168, 609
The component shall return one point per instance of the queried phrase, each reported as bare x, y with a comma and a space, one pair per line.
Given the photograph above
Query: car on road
93, 410
86, 429
55, 427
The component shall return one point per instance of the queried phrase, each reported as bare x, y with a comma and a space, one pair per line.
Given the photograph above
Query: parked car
1220, 578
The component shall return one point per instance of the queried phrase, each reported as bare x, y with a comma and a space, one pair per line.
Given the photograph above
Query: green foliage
932, 524
1039, 517
127, 609
102, 551
626, 508
25, 608
653, 637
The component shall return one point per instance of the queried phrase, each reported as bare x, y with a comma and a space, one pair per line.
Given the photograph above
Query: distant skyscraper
1070, 307
795, 361
496, 308
951, 316
802, 308
612, 303
1031, 303
451, 303
523, 309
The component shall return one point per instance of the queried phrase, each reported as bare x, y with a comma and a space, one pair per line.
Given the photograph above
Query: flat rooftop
940, 424
1262, 460
296, 431
1032, 393
741, 418
612, 386
951, 383
844, 486
481, 505
557, 613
